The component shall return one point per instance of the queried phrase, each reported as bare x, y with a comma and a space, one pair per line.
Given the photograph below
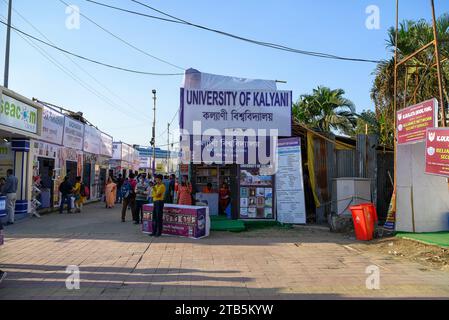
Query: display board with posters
52, 126
256, 193
18, 115
179, 220
106, 145
437, 151
92, 140
413, 121
289, 182
73, 134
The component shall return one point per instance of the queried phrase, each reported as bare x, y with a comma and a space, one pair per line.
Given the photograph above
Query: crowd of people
137, 190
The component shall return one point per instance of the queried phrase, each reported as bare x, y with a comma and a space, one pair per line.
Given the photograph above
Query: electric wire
124, 41
89, 59
177, 20
99, 95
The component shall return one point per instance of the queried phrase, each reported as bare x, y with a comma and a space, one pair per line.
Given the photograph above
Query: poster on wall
289, 182
106, 145
437, 151
18, 115
256, 193
92, 140
73, 134
52, 126
413, 121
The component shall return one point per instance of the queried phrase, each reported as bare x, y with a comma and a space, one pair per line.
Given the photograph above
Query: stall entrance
71, 171
205, 176
46, 170
101, 186
86, 175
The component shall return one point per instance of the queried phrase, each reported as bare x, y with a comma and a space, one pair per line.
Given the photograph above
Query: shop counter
210, 200
179, 220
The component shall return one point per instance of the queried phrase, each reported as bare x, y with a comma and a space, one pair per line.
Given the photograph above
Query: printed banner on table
73, 134
413, 121
232, 109
437, 151
92, 140
289, 182
52, 126
183, 221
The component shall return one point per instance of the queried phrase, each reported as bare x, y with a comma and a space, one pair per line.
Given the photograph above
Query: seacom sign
437, 151
413, 121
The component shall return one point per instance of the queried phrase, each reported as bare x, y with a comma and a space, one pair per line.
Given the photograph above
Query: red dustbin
372, 210
363, 222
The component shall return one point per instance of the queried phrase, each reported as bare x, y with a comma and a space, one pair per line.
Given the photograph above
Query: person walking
79, 191
129, 196
142, 194
175, 194
158, 206
119, 196
65, 188
111, 191
170, 190
10, 189
185, 192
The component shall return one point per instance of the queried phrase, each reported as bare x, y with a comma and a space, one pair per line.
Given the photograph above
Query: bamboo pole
437, 58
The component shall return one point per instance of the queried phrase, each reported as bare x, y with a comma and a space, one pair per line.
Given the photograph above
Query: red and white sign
437, 151
413, 121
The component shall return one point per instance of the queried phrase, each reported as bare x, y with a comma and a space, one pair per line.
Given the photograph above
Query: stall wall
423, 196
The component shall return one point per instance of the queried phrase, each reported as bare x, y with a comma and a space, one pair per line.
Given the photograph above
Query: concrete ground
117, 261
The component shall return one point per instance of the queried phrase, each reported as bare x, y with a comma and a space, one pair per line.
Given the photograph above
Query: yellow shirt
158, 192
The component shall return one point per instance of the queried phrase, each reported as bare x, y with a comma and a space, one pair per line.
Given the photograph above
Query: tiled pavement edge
117, 261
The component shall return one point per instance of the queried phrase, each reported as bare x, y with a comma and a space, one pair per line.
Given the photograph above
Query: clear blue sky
336, 27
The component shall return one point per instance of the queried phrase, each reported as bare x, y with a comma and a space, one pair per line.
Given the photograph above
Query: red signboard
437, 151
413, 121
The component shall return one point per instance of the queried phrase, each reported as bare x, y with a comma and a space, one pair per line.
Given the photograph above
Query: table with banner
179, 220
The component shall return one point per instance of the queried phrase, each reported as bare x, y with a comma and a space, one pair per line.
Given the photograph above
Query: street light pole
153, 139
168, 145
8, 42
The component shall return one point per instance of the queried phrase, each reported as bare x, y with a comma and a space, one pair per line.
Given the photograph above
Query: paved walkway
117, 261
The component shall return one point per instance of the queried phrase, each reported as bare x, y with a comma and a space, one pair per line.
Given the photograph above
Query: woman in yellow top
80, 197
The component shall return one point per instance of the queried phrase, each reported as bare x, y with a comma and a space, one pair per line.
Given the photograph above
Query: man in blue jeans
66, 191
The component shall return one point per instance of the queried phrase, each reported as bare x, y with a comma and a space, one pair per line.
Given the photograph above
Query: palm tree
326, 110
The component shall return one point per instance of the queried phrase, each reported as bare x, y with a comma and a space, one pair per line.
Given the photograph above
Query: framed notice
289, 182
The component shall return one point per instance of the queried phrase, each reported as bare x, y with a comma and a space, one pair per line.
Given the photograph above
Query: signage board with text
73, 134
18, 115
413, 121
52, 126
437, 151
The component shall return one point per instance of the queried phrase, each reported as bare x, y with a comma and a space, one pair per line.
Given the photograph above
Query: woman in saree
111, 193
